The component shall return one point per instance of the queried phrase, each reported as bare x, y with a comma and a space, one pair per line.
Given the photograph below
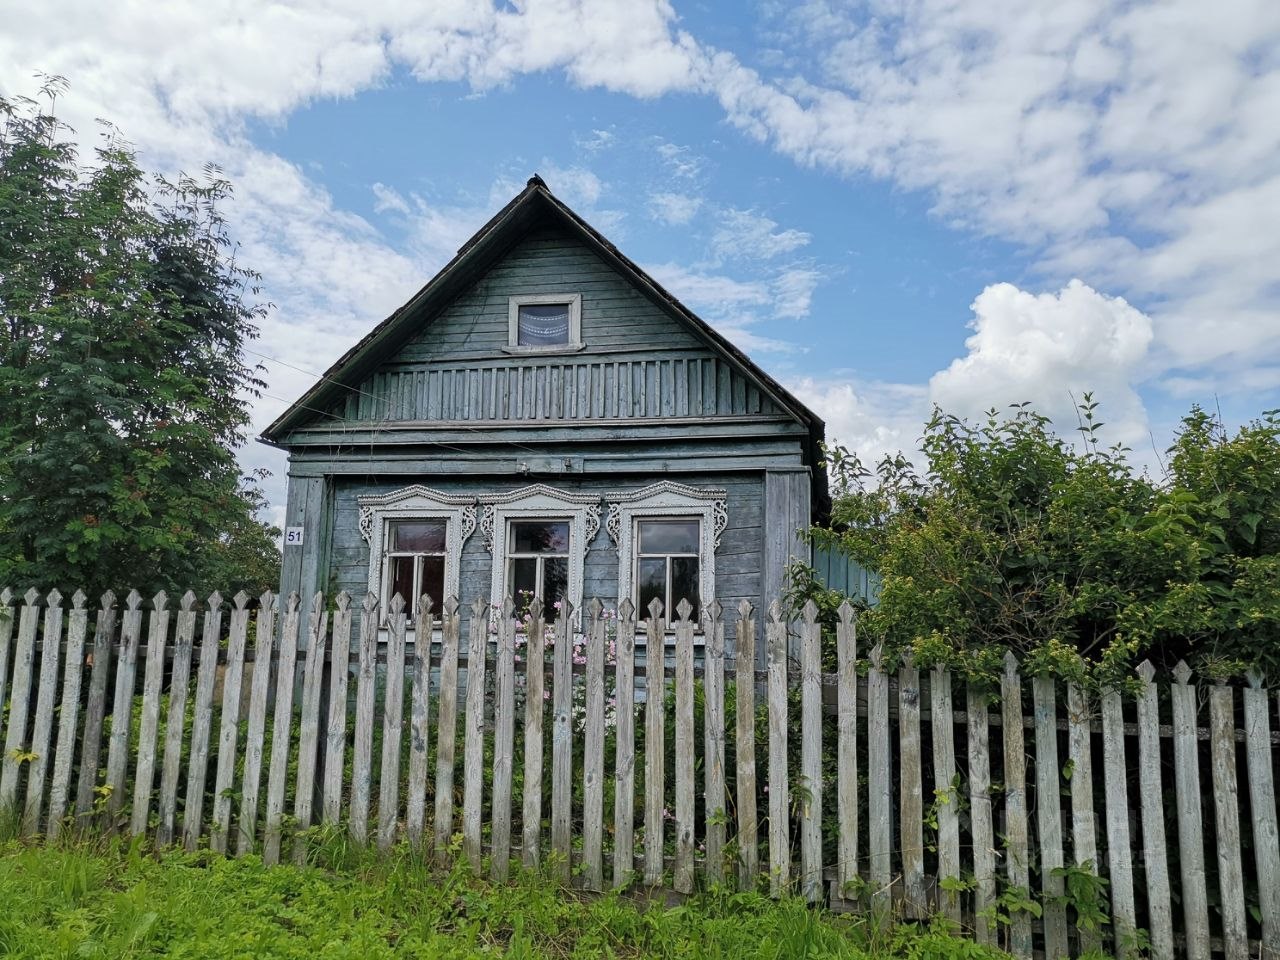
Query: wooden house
542, 418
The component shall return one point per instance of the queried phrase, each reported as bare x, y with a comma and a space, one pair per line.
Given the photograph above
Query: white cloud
680, 161
873, 419
673, 209
1050, 349
747, 235
793, 291
388, 199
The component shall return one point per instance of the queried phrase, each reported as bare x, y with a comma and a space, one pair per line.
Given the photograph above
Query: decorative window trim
539, 502
667, 499
416, 502
574, 300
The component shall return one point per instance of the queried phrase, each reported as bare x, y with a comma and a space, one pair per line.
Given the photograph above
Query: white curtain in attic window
543, 324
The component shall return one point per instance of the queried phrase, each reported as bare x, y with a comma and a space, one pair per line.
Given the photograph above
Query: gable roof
534, 203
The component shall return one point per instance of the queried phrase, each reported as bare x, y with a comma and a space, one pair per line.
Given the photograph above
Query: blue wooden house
543, 419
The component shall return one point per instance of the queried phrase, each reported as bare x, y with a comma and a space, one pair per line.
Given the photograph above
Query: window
667, 563
415, 538
666, 536
545, 323
538, 561
415, 560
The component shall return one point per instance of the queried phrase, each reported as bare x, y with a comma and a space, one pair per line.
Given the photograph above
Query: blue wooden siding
839, 572
638, 363
738, 560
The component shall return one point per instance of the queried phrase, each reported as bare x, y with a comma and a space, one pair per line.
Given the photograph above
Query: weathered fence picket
179, 681
259, 690
53, 731
42, 730
282, 731
419, 724
624, 796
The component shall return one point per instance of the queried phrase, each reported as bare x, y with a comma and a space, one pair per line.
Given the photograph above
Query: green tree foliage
123, 387
1009, 537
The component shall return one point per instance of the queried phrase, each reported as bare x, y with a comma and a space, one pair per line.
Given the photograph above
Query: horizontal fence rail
1044, 818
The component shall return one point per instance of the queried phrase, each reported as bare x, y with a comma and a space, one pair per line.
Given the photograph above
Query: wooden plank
1154, 852
15, 740
68, 714
6, 638
535, 679
1262, 803
980, 825
281, 731
879, 786
1015, 802
202, 723
148, 728
175, 722
713, 741
911, 799
744, 651
562, 741
362, 749
846, 749
946, 792
504, 724
335, 748
1226, 809
419, 730
1049, 811
1116, 794
255, 738
392, 714
1195, 903
229, 730
811, 754
42, 728
309, 725
95, 709
126, 671
593, 753
447, 724
624, 782
654, 743
684, 749
1084, 844
779, 794
473, 733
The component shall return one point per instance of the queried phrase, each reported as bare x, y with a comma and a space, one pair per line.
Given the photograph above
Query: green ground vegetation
111, 899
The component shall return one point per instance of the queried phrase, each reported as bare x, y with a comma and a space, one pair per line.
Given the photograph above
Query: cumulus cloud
1050, 348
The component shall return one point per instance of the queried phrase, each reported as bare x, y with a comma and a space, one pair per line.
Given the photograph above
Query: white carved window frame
416, 503
539, 502
667, 500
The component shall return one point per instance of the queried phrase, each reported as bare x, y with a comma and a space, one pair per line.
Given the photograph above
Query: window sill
543, 351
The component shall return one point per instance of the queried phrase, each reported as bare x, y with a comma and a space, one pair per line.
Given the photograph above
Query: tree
1011, 538
123, 385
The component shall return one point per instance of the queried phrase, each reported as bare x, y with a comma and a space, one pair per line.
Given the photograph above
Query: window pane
543, 324
555, 580
418, 536
401, 580
668, 536
651, 582
684, 581
540, 536
524, 580
432, 581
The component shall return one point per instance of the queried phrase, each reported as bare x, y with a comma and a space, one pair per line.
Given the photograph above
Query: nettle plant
1004, 536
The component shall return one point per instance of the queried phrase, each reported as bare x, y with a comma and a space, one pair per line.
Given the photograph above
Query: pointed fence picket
931, 815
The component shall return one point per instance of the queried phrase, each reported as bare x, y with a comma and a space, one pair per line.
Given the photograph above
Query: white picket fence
950, 803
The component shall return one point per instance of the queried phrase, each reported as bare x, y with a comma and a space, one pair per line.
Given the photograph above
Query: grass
110, 899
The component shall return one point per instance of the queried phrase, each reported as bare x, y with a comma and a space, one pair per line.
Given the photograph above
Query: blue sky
961, 202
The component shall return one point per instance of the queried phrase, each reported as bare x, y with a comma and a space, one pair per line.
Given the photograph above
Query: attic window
545, 323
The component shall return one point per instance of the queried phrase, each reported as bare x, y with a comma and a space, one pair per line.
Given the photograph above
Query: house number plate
293, 537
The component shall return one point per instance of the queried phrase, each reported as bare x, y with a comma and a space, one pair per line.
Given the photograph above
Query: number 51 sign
293, 537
